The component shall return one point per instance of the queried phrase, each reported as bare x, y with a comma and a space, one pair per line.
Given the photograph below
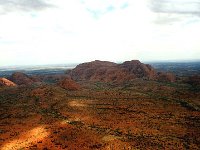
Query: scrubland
140, 114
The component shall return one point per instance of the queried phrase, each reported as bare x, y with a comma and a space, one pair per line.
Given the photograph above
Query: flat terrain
136, 115
179, 68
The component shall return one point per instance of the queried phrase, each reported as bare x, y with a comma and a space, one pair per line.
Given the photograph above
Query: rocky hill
69, 84
22, 79
6, 82
112, 72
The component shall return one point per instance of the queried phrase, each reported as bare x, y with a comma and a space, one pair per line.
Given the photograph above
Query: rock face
6, 82
69, 84
140, 70
21, 79
111, 72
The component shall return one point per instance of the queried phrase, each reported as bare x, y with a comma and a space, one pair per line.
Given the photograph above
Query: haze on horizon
56, 31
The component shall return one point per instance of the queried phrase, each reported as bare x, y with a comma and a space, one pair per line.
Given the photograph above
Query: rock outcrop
112, 72
6, 82
69, 84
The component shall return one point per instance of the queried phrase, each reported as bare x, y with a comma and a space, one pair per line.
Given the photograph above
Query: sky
37, 32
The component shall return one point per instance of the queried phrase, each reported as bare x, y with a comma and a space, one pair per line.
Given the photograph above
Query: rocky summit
112, 72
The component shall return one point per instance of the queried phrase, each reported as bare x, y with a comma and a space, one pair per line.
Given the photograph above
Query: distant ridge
112, 72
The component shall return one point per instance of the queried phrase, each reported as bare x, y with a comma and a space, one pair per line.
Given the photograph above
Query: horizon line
76, 63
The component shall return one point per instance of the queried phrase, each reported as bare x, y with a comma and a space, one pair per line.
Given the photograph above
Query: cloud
191, 7
22, 5
168, 12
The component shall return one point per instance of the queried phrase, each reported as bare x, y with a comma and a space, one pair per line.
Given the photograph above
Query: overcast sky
74, 31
